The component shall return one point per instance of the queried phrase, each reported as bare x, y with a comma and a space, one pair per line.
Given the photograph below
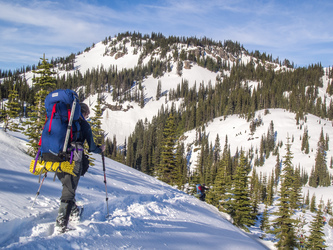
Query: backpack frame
61, 128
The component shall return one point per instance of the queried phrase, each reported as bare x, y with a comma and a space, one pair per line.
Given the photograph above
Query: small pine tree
12, 110
217, 196
180, 68
329, 207
44, 83
142, 99
320, 175
305, 141
255, 192
313, 204
159, 90
97, 131
316, 239
297, 190
264, 222
167, 169
96, 123
284, 223
300, 231
307, 199
270, 190
182, 167
241, 204
277, 170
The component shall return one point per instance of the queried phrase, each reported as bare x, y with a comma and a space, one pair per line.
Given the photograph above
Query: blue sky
301, 31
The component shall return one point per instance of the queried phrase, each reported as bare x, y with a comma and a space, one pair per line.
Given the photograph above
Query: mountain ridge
122, 113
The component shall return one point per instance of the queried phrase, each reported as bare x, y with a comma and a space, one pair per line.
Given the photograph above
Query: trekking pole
106, 190
40, 186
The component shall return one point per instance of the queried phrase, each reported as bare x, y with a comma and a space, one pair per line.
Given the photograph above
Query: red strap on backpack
40, 139
52, 114
69, 117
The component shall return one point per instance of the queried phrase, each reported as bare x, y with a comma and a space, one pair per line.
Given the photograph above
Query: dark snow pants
70, 183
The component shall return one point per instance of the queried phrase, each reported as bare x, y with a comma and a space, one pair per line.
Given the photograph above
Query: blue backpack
199, 189
62, 125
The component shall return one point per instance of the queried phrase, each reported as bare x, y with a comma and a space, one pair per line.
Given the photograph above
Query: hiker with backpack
69, 182
201, 191
61, 149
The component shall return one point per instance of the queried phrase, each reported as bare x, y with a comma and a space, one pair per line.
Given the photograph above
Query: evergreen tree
271, 137
284, 224
270, 191
159, 90
320, 175
43, 83
223, 179
300, 231
180, 68
98, 133
96, 123
168, 169
296, 195
255, 192
217, 149
313, 203
277, 170
181, 165
262, 151
305, 141
218, 195
329, 207
142, 99
264, 222
316, 240
307, 199
12, 110
241, 206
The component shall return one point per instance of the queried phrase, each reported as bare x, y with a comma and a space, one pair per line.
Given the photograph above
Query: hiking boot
63, 216
76, 212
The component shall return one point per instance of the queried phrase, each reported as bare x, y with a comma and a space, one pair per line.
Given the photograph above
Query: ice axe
106, 189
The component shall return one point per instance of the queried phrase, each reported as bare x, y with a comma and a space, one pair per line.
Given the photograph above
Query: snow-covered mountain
144, 213
122, 122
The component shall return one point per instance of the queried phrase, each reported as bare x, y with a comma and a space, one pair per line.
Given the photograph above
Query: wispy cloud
50, 24
35, 27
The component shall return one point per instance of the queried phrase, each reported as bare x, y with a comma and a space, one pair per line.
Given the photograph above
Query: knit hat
84, 109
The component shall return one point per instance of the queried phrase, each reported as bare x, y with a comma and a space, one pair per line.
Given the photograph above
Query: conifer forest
156, 147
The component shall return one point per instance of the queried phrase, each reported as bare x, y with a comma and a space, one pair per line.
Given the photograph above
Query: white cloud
76, 24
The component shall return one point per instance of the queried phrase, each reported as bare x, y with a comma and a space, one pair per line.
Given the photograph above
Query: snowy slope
141, 215
238, 132
122, 123
144, 212
239, 136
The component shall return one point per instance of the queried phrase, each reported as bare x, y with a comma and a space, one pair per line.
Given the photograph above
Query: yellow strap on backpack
43, 167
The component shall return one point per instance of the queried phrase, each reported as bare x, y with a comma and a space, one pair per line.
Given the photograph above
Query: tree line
155, 147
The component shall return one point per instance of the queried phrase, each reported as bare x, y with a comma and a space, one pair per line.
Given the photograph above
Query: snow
96, 58
239, 136
145, 213
238, 131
